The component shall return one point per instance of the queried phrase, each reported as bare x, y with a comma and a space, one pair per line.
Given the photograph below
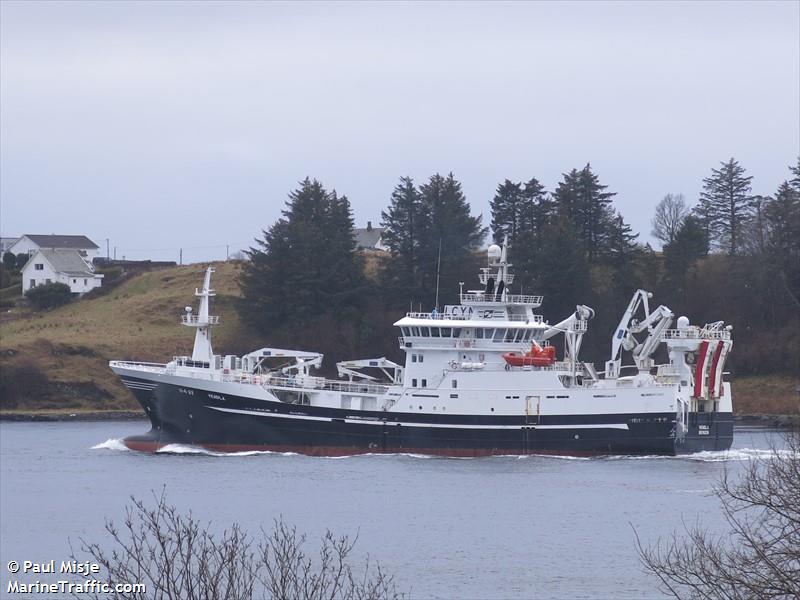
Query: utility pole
227, 251
108, 255
115, 253
180, 260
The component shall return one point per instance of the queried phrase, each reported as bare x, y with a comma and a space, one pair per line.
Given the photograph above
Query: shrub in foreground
49, 295
177, 557
760, 556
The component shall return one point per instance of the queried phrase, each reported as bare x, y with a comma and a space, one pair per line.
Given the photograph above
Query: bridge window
425, 332
456, 332
527, 335
499, 334
445, 332
415, 331
435, 332
478, 333
454, 383
406, 331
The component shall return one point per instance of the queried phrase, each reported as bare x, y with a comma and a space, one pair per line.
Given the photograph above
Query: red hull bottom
152, 446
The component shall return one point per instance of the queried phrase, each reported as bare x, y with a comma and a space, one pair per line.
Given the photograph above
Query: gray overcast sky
167, 125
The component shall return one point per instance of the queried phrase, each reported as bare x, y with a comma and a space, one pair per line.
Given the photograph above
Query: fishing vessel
487, 376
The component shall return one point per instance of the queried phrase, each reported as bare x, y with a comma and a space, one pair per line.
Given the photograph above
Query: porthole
420, 407
493, 409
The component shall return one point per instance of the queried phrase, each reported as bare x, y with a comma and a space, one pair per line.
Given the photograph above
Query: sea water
495, 527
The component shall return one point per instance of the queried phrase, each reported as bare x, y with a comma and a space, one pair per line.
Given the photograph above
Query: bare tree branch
759, 557
179, 558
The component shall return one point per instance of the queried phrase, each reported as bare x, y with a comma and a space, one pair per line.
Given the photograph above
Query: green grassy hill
58, 360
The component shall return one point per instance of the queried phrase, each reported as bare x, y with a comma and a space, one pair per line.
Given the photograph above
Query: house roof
367, 238
66, 261
79, 242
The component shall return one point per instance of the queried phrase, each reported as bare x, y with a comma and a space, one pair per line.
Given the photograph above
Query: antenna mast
438, 270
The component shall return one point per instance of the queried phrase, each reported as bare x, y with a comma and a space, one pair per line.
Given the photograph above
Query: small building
60, 266
370, 238
30, 243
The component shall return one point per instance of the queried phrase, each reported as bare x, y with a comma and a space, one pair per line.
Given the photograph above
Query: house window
33, 283
39, 266
413, 383
413, 358
85, 282
74, 281
421, 358
47, 281
424, 383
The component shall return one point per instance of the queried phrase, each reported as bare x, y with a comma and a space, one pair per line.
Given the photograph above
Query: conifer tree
584, 202
782, 216
506, 208
562, 273
725, 205
689, 244
305, 265
451, 227
403, 224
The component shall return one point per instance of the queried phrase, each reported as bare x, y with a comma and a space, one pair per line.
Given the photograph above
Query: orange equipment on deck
537, 357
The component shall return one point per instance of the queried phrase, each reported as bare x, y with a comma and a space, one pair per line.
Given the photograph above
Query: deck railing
196, 320
495, 315
509, 299
695, 333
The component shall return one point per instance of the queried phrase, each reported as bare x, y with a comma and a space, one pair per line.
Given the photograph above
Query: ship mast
202, 321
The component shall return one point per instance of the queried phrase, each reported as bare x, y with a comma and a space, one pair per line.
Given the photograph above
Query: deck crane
655, 322
348, 368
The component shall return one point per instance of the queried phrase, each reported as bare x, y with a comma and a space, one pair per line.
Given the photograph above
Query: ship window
454, 383
435, 332
425, 332
527, 335
510, 335
499, 334
406, 331
445, 332
478, 333
456, 332
488, 334
421, 357
424, 383
415, 331
413, 383
413, 358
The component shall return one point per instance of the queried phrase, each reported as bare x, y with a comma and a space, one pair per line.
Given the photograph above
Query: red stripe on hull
151, 447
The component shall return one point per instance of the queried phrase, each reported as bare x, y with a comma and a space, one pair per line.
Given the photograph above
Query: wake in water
738, 454
111, 444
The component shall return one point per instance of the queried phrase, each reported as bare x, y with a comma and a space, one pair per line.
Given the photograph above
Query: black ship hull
229, 423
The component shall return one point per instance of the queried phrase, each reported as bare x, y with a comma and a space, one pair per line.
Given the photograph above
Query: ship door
532, 409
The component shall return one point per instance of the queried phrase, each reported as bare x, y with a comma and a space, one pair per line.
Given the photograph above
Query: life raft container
536, 357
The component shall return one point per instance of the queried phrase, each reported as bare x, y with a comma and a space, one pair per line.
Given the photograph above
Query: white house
30, 243
370, 238
60, 266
